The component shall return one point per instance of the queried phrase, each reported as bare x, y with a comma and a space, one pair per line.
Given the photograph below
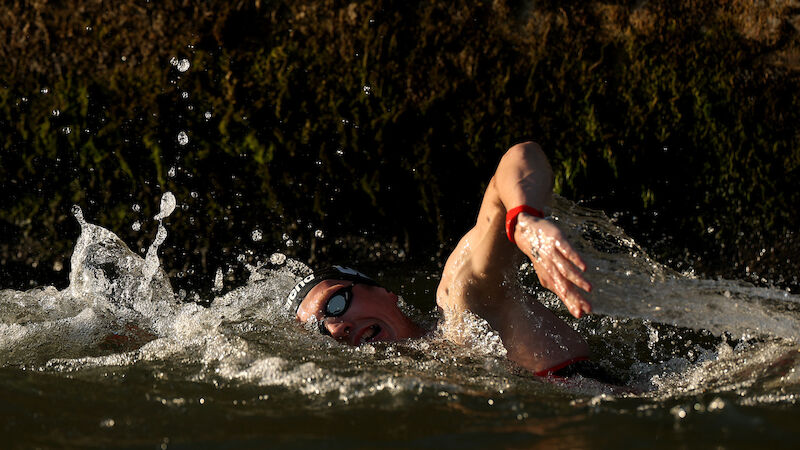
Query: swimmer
477, 278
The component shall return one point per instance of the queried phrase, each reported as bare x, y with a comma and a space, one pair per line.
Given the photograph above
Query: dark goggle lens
337, 304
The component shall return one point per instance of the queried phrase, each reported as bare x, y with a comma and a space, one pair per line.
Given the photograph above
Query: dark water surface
114, 361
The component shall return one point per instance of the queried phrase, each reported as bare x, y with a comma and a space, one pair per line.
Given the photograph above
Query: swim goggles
336, 306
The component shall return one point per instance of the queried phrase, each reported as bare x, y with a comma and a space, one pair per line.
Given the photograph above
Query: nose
339, 329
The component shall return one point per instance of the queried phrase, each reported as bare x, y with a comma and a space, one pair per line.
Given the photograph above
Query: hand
556, 263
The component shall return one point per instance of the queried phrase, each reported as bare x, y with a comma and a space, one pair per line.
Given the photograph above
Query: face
373, 314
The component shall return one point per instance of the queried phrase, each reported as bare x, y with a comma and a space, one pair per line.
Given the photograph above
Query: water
116, 360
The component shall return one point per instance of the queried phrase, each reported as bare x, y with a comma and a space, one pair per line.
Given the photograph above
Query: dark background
380, 122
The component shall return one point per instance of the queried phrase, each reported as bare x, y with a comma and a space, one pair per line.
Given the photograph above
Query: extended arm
475, 277
524, 177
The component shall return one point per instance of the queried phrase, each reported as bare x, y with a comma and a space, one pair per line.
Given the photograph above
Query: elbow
530, 154
525, 150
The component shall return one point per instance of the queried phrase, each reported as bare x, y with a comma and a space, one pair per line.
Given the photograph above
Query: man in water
477, 278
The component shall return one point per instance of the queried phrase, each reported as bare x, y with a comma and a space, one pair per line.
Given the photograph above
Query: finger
566, 249
572, 299
570, 272
544, 278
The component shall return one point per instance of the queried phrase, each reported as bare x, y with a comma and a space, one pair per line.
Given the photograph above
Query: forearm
524, 177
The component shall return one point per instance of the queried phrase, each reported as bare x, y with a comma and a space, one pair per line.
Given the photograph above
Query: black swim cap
301, 289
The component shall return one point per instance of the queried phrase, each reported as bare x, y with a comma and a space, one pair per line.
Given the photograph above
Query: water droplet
124, 58
277, 258
339, 151
218, 280
678, 412
171, 172
136, 226
135, 207
716, 404
183, 138
66, 130
207, 115
107, 423
44, 90
183, 65
319, 234
55, 112
184, 95
78, 214
256, 235
167, 206
367, 89
194, 194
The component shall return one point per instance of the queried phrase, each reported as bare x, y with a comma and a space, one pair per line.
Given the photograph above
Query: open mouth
371, 333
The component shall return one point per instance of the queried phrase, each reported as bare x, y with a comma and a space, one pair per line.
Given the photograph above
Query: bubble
207, 115
367, 89
256, 235
66, 130
136, 226
183, 138
124, 58
183, 65
107, 423
194, 194
55, 113
44, 90
173, 61
171, 172
135, 207
184, 95
319, 234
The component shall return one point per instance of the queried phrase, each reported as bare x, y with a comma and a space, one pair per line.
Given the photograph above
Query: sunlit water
116, 360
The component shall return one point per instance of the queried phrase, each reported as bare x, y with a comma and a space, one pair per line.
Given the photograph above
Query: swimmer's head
350, 307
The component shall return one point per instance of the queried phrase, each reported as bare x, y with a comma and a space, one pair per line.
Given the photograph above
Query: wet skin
373, 314
475, 277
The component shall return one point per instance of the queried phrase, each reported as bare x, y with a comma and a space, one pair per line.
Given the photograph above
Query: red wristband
511, 219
